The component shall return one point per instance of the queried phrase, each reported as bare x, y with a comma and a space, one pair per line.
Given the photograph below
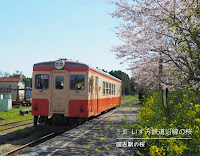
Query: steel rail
16, 126
27, 145
10, 123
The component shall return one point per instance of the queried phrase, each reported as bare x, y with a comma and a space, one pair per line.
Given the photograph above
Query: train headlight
35, 108
59, 64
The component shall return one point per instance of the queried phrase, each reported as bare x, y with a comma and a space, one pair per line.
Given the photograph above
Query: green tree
127, 85
19, 74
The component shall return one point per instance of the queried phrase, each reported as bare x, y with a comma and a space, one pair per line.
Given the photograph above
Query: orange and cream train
66, 92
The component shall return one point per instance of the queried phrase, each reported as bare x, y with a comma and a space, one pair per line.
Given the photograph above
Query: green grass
128, 98
13, 115
125, 97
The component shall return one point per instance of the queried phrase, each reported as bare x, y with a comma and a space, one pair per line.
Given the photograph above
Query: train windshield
77, 82
59, 82
42, 81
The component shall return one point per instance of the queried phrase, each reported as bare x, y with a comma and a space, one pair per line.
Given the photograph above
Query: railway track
45, 138
29, 145
15, 124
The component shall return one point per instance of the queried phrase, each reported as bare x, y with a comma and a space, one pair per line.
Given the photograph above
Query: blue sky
33, 31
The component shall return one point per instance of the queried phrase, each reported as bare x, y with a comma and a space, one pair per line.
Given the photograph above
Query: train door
96, 92
59, 92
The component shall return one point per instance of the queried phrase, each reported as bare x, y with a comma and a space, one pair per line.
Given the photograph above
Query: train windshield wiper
77, 90
43, 88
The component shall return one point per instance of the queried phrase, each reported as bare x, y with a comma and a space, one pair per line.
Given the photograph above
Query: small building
3, 89
5, 82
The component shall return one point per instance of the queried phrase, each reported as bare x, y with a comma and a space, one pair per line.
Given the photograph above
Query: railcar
67, 92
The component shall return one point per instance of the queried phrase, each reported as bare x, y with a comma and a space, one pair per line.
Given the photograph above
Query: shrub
180, 113
143, 94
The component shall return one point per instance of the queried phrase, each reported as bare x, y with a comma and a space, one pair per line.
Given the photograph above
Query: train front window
42, 81
59, 82
77, 82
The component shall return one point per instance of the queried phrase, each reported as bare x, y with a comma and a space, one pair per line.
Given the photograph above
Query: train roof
67, 64
104, 73
72, 64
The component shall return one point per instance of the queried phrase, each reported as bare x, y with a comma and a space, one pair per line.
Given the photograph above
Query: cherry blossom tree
160, 33
147, 74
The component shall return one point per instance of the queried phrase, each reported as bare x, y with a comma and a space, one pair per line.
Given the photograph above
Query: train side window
109, 88
118, 89
42, 81
90, 84
59, 82
77, 82
112, 89
96, 87
104, 89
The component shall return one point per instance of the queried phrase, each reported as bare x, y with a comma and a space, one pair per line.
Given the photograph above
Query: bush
176, 119
143, 94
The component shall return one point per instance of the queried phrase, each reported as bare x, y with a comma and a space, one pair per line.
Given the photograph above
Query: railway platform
103, 135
